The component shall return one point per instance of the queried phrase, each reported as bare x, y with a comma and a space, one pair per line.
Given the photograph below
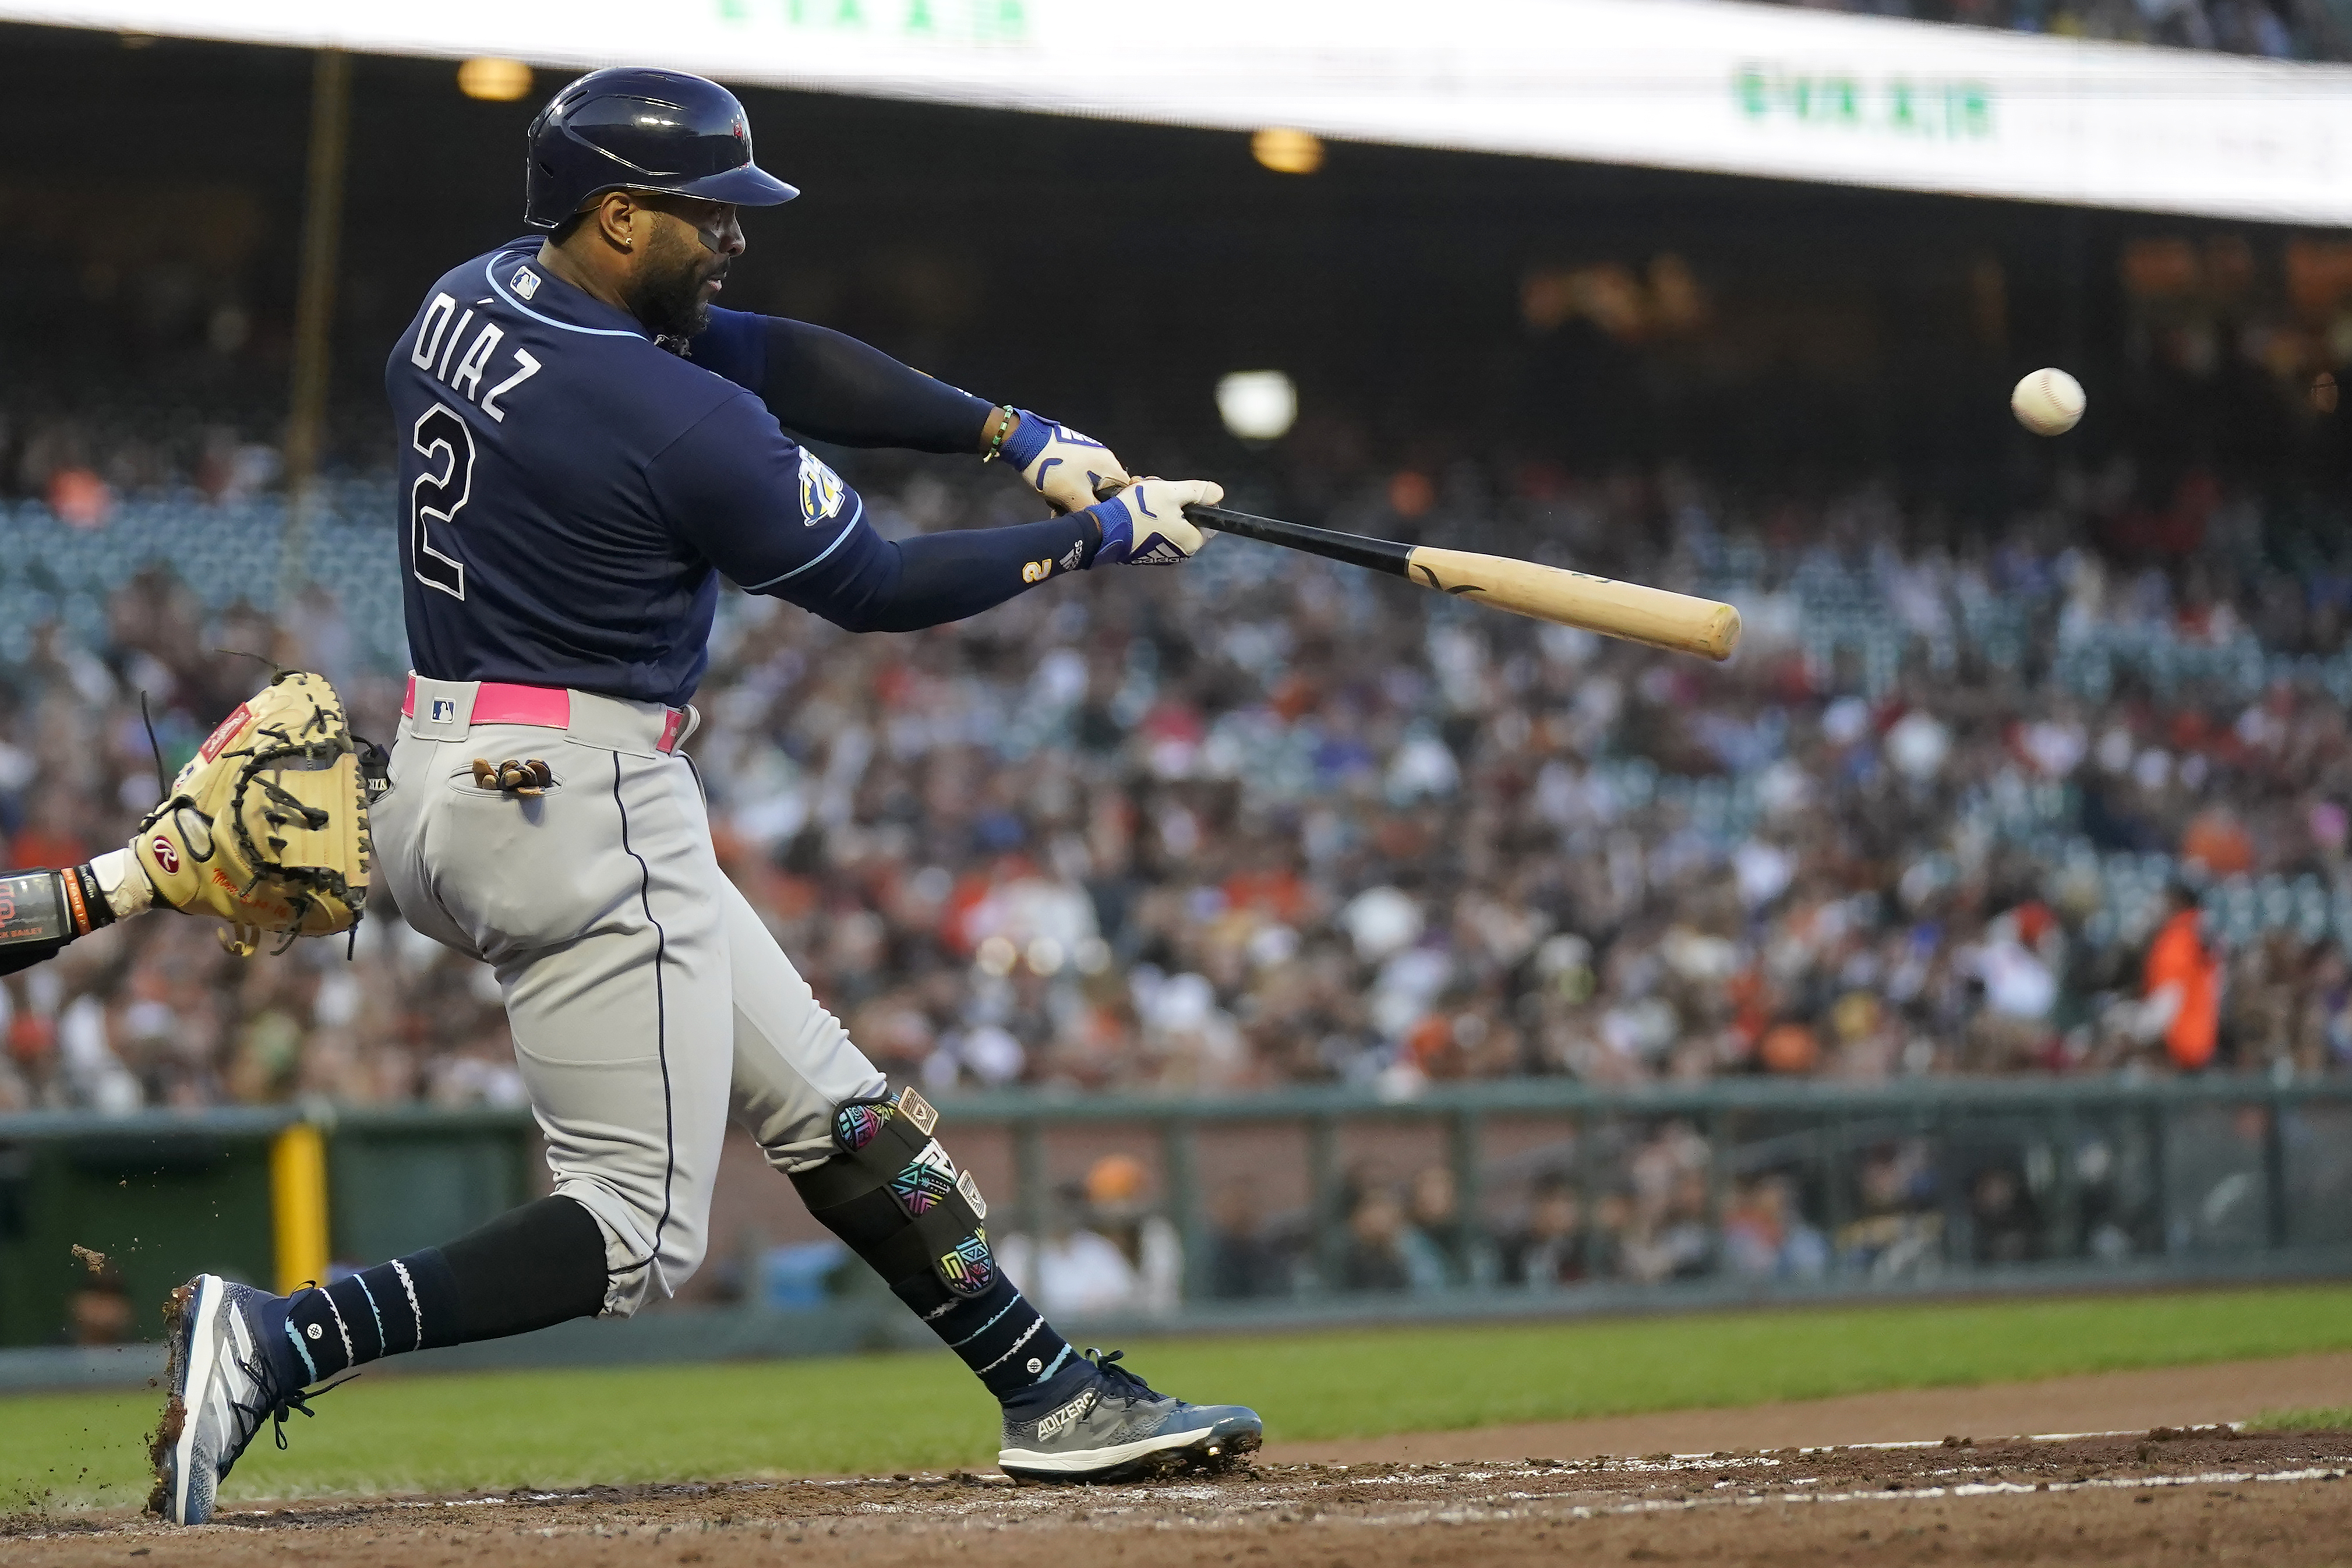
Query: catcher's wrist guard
40, 912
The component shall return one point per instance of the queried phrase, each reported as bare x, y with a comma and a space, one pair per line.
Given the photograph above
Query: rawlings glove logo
225, 732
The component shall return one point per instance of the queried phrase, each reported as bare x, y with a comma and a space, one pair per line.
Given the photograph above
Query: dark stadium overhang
1707, 85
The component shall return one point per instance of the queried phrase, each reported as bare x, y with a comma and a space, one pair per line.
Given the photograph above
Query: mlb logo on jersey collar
525, 282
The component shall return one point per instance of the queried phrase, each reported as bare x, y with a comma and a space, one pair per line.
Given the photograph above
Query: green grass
921, 1411
2324, 1418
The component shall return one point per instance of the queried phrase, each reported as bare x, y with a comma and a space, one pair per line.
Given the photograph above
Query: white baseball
2048, 402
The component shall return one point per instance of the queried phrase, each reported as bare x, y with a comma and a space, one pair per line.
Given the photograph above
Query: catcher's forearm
40, 912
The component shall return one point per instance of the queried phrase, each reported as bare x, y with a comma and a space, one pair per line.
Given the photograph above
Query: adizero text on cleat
1099, 1422
223, 1388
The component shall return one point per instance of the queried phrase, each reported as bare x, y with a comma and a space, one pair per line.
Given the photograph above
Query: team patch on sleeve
822, 491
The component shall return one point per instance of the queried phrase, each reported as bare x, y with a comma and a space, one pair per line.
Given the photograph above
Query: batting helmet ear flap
634, 128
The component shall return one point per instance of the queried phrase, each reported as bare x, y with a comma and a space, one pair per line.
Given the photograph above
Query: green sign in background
949, 21
1951, 110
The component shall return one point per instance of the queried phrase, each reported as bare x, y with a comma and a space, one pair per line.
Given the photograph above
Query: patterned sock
409, 1304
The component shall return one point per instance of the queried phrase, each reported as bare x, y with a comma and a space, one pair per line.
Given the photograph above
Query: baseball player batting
586, 446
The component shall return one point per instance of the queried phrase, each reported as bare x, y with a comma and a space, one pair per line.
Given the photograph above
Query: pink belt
543, 707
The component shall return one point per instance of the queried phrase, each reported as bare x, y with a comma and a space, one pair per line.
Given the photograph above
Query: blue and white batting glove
1070, 470
1144, 524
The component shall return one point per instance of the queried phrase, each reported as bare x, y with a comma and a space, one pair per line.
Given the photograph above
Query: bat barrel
1628, 610
1632, 611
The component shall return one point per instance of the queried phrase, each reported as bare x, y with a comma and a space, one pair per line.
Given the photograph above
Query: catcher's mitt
266, 825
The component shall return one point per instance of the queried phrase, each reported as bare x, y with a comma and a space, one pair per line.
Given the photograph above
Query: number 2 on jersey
446, 442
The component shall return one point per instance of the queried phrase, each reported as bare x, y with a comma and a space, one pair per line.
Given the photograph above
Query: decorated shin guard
896, 1198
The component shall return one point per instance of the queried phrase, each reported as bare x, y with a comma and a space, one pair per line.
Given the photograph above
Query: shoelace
276, 1408
1122, 1382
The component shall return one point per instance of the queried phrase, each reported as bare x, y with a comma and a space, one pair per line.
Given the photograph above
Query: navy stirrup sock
531, 1266
409, 1304
1007, 1343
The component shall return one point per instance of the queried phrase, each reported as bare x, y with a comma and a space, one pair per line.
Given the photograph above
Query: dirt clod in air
91, 1259
175, 1418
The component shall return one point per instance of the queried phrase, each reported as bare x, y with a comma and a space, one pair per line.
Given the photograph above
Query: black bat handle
1355, 549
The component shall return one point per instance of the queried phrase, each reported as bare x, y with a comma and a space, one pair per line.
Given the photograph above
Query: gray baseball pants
649, 1003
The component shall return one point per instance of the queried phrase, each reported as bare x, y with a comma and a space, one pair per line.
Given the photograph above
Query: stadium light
1288, 151
497, 82
1257, 404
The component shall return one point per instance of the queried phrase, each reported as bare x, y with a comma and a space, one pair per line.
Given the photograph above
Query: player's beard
667, 294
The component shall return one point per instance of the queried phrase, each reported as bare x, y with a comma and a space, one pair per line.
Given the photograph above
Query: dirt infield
2208, 1495
2091, 1402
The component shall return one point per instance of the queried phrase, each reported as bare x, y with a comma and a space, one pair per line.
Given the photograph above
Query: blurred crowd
1266, 820
2277, 29
1653, 1202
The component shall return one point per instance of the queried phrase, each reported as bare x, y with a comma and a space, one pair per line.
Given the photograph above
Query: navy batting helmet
629, 129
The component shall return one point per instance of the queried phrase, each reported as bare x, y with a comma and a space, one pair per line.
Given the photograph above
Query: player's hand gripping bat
1628, 610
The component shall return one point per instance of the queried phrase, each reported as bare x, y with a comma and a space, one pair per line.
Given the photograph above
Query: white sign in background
1711, 85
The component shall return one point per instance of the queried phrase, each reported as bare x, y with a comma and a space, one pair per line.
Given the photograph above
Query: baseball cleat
1108, 1425
223, 1386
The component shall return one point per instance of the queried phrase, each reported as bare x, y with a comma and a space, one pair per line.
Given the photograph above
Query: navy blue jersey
570, 486
571, 492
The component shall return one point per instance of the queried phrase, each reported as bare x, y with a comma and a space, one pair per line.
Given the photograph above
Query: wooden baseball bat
1673, 621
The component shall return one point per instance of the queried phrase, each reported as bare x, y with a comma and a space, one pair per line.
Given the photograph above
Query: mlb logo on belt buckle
443, 709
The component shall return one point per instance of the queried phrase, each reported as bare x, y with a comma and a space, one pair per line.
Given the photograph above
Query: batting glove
1144, 524
1070, 470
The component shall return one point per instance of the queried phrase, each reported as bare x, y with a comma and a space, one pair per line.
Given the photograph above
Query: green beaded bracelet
1003, 428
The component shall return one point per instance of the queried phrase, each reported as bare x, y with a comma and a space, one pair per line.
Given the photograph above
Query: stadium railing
1911, 1188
